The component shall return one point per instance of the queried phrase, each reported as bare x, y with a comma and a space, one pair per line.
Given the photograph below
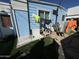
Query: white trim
11, 20
4, 7
27, 39
15, 23
19, 5
4, 3
72, 17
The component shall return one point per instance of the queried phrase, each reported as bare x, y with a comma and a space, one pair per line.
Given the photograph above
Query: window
44, 14
63, 17
6, 21
55, 12
41, 14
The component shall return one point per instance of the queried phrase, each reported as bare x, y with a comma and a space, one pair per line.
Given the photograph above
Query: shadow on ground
70, 46
40, 51
7, 44
46, 48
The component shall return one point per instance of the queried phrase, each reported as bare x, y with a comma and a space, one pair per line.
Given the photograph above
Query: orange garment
74, 25
69, 25
67, 30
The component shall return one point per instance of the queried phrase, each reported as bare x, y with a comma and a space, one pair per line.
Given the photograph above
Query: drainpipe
56, 15
30, 30
57, 11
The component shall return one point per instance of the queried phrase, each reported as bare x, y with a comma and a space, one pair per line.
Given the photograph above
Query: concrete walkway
58, 40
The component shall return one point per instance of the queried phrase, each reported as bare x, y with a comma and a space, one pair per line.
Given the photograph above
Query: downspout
57, 11
30, 30
56, 15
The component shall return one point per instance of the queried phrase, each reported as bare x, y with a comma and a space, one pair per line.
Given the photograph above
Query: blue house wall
34, 9
61, 12
21, 17
20, 21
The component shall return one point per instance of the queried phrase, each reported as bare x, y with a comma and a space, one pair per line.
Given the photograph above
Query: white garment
52, 29
62, 26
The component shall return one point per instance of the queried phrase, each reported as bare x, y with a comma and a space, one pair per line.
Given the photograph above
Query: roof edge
48, 3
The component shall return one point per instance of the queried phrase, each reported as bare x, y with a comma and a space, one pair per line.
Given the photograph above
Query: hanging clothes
69, 25
62, 26
42, 24
74, 25
37, 18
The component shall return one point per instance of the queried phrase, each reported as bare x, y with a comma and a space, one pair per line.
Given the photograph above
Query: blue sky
65, 3
5, 0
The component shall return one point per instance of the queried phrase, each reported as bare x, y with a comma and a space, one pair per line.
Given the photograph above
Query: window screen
6, 21
41, 14
44, 14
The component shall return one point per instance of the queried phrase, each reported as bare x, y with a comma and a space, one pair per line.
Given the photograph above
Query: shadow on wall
71, 46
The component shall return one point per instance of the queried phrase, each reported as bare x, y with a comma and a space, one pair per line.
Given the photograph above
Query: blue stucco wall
34, 9
60, 13
21, 18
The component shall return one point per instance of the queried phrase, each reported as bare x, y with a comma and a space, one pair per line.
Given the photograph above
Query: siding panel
22, 20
